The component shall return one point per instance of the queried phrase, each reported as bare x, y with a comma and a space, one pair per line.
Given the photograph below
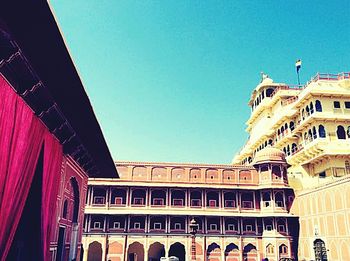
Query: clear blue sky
170, 80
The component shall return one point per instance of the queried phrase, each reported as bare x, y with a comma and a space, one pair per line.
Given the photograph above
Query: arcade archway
320, 250
231, 252
213, 252
177, 249
250, 253
95, 251
156, 251
135, 252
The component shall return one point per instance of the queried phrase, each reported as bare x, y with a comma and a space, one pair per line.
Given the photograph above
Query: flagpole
297, 66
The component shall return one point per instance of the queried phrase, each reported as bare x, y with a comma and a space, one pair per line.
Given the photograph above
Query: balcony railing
286, 87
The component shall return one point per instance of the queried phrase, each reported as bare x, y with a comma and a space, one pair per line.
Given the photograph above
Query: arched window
314, 133
288, 150
341, 132
269, 249
310, 135
269, 92
348, 131
307, 110
65, 209
284, 150
294, 148
291, 125
318, 105
311, 108
347, 167
263, 94
283, 249
270, 142
305, 137
278, 132
321, 131
282, 130
303, 114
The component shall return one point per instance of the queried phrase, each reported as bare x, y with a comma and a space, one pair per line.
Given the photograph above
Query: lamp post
193, 232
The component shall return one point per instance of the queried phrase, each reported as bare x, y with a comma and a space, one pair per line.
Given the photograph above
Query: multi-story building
242, 212
311, 124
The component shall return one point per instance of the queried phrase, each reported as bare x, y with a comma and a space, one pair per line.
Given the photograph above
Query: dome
269, 154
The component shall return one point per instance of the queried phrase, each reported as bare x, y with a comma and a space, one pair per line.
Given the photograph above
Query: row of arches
159, 173
310, 109
136, 251
261, 96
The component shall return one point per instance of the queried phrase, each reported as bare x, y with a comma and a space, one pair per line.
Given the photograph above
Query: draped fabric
51, 180
21, 137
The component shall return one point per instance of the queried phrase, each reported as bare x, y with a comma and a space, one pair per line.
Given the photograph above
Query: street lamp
193, 232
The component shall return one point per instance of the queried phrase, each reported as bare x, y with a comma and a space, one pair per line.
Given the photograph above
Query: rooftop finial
263, 76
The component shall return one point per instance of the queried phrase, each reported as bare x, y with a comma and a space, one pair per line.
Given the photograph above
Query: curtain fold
53, 156
21, 137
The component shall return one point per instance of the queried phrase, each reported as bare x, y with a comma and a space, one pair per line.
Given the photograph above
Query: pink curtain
21, 137
51, 181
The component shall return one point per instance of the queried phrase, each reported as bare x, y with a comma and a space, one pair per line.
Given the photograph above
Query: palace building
311, 125
242, 212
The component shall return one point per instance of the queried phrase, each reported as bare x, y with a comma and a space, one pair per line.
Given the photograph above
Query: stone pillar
86, 250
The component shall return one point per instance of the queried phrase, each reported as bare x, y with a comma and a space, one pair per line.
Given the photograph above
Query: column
128, 223
147, 223
92, 195
105, 224
168, 198
86, 251
204, 198
104, 248
222, 199
239, 200
221, 224
167, 220
88, 195
127, 197
240, 248
145, 257
222, 247
108, 197
89, 223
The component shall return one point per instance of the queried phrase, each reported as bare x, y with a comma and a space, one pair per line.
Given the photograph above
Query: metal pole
298, 78
193, 247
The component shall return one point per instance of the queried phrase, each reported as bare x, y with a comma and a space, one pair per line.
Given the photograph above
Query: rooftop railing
287, 87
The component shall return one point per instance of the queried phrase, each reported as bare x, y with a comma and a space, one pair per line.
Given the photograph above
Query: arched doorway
135, 252
156, 251
231, 252
177, 249
250, 253
95, 251
75, 225
213, 252
320, 250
